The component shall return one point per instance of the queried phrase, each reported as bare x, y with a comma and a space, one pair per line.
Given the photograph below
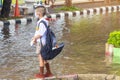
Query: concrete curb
84, 77
84, 13
87, 12
16, 21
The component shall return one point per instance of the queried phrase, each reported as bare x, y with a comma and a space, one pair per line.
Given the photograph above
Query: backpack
49, 51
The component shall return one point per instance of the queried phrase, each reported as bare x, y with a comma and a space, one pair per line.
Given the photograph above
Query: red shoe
39, 75
48, 75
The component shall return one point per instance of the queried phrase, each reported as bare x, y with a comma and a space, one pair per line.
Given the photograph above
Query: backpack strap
42, 21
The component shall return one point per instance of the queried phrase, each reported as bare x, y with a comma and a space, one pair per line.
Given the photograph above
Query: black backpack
49, 51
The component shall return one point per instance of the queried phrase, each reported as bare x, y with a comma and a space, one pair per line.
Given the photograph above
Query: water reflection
83, 53
16, 29
18, 58
86, 42
6, 32
57, 27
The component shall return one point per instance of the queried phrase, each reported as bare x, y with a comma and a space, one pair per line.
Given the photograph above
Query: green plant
72, 8
114, 39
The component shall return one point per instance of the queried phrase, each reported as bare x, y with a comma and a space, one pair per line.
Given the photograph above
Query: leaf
114, 38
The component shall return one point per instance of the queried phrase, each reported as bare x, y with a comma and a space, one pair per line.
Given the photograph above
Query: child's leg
41, 64
41, 61
48, 73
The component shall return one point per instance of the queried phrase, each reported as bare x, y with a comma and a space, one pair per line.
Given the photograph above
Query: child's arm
34, 39
37, 37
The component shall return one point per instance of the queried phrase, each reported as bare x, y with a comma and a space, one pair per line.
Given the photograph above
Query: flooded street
83, 53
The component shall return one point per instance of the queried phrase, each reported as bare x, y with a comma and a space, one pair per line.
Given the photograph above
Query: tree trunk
68, 3
6, 8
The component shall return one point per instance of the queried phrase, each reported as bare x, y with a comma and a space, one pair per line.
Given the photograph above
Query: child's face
37, 13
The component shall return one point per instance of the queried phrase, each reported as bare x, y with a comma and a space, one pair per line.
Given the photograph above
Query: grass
64, 8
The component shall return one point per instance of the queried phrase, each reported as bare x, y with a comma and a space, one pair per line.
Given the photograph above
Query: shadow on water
83, 53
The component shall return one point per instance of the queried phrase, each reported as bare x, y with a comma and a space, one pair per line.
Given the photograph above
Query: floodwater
83, 53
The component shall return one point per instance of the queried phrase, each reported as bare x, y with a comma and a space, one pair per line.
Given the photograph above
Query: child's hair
41, 9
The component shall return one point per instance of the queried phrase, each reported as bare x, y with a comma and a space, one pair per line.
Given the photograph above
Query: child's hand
33, 41
56, 46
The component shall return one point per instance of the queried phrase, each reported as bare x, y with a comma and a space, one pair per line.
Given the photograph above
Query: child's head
40, 11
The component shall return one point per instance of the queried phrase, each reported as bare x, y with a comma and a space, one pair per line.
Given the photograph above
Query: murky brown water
83, 53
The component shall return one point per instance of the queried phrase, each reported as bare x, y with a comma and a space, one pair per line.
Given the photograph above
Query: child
40, 33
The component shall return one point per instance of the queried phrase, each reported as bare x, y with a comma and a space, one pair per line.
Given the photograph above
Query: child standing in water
40, 33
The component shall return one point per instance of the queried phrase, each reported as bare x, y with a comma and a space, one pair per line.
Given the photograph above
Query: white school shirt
41, 30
